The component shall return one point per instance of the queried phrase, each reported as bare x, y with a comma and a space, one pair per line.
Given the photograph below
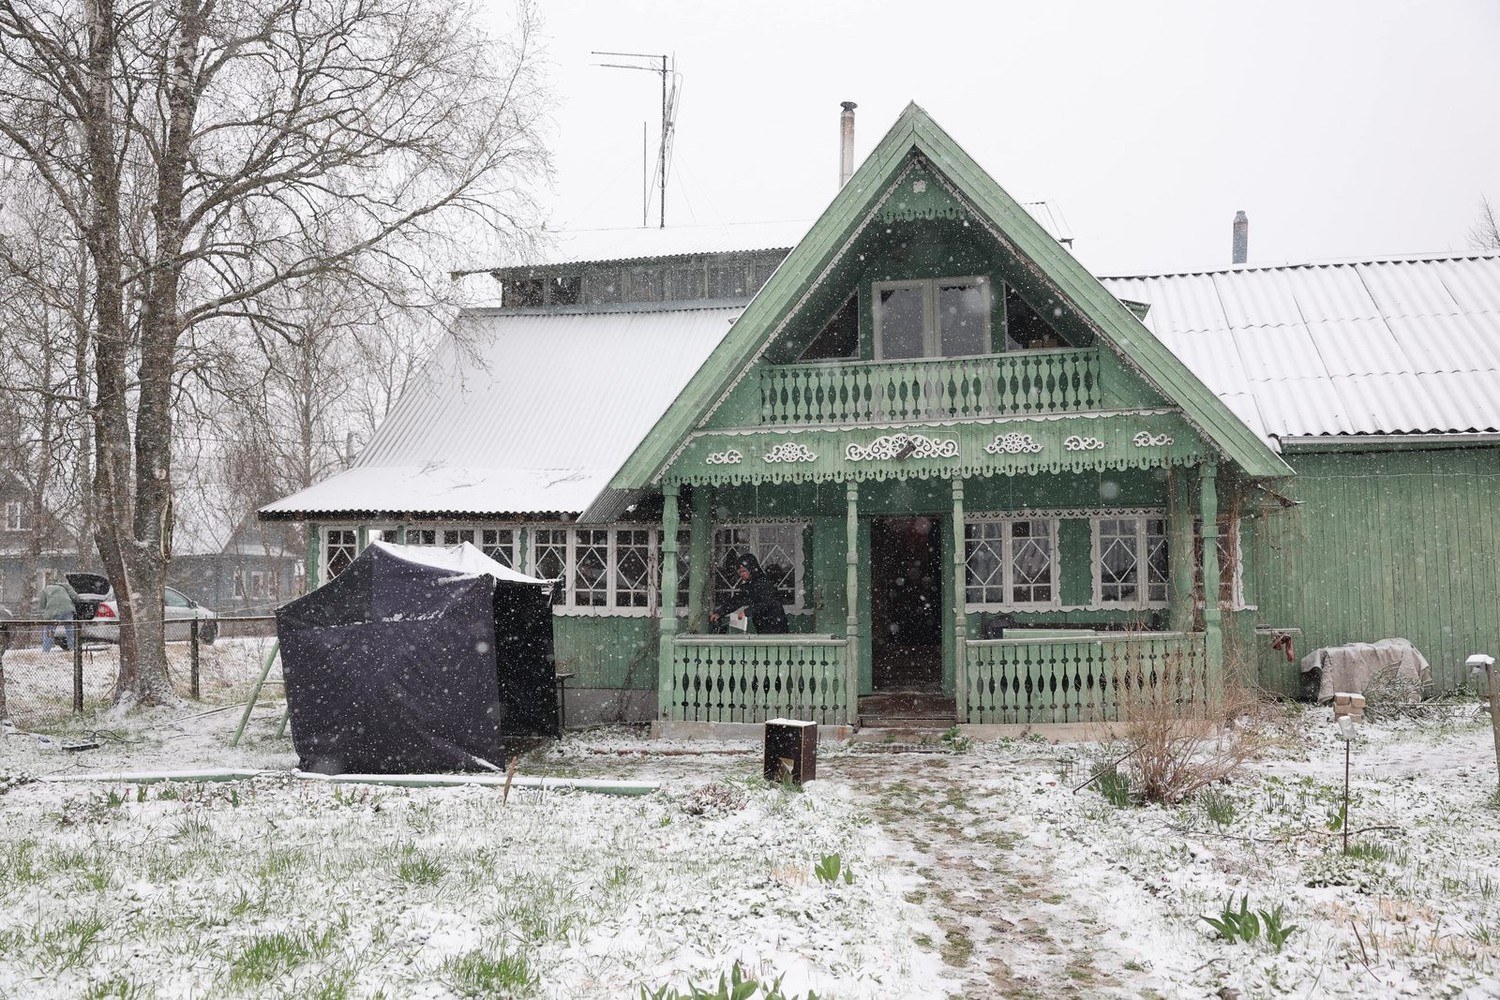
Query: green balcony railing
1088, 679
1024, 382
758, 677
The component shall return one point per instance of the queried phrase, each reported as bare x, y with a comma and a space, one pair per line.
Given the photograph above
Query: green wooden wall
1387, 544
607, 651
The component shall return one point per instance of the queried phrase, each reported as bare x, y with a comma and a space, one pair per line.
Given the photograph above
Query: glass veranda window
932, 318
1130, 561
1011, 563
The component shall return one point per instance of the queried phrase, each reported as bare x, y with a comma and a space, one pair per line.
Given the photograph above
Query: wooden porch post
1179, 552
851, 589
667, 607
1213, 637
701, 544
960, 626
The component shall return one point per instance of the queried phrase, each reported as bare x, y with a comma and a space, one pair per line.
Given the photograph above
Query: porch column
1208, 508
667, 607
700, 549
960, 626
851, 591
1179, 552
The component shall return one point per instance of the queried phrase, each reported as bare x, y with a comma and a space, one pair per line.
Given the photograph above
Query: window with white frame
932, 318
457, 536
499, 544
13, 515
239, 583
1231, 581
1011, 563
1130, 561
777, 546
604, 569
340, 547
261, 584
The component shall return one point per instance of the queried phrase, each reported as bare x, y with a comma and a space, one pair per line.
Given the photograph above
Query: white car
103, 625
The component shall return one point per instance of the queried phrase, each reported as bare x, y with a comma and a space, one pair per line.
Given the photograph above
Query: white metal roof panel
1359, 347
523, 413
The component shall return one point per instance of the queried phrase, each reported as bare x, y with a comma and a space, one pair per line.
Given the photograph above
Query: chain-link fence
41, 689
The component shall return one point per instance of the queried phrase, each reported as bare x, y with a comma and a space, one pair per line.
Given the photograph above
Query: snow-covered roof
1400, 346
521, 413
462, 559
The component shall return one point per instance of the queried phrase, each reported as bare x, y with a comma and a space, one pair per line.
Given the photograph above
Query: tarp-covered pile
416, 659
1393, 668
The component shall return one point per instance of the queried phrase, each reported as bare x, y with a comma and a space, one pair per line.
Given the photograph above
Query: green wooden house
989, 487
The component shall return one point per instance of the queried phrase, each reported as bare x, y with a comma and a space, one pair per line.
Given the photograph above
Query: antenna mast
668, 121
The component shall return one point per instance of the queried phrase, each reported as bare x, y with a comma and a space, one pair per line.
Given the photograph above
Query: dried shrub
1177, 748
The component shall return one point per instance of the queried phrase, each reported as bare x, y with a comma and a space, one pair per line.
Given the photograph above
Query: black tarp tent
417, 659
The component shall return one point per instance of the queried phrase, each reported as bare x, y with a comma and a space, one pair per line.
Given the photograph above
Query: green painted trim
856, 204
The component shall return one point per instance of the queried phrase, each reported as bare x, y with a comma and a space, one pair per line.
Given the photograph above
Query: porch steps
908, 711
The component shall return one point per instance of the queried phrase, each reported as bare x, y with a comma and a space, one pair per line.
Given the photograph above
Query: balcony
997, 385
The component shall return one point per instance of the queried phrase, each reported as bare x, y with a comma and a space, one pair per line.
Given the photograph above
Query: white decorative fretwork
1013, 443
727, 457
1076, 443
892, 446
1145, 439
790, 451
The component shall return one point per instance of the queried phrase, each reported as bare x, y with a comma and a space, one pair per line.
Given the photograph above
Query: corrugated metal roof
522, 413
534, 412
1405, 346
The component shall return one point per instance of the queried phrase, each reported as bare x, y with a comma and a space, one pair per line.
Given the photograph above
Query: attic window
840, 338
566, 290
522, 292
1025, 329
932, 318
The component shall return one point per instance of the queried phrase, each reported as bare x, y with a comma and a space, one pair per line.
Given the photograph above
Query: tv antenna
668, 124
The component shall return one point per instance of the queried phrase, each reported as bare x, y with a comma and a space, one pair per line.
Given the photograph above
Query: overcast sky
1343, 129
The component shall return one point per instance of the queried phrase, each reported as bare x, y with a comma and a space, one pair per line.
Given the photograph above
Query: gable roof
1010, 224
1404, 346
520, 413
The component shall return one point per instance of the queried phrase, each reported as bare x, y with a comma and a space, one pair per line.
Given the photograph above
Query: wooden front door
906, 603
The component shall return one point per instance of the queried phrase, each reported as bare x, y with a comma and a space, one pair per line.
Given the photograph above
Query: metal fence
40, 689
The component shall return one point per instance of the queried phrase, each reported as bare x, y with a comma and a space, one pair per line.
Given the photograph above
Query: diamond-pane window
591, 567
632, 568
551, 558
778, 548
340, 546
1010, 563
499, 544
1132, 563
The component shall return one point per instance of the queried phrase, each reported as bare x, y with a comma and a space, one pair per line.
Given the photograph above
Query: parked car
100, 613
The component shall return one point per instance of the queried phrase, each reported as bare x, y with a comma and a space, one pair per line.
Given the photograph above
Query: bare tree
1484, 235
211, 154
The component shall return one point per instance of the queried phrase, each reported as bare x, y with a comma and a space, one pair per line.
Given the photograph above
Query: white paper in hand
738, 619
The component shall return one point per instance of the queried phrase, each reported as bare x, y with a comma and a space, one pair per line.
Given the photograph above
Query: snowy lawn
974, 871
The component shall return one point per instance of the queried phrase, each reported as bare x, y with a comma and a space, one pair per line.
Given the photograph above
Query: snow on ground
977, 871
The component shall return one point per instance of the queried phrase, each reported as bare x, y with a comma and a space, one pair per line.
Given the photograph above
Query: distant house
972, 469
234, 565
31, 554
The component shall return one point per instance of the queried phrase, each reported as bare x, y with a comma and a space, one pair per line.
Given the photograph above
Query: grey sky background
1343, 129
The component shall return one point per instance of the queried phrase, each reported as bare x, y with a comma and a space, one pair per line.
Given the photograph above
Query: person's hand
714, 617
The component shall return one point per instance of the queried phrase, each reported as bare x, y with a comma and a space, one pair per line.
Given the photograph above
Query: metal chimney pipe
1241, 238
846, 142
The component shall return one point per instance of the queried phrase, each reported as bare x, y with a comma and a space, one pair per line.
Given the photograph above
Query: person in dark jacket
757, 595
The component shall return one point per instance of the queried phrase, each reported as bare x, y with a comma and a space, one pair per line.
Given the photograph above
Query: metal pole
77, 631
193, 655
255, 692
1494, 702
1346, 796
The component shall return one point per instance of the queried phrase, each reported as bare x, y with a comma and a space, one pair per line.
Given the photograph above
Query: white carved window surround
932, 318
1231, 571
13, 520
1011, 563
1130, 560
